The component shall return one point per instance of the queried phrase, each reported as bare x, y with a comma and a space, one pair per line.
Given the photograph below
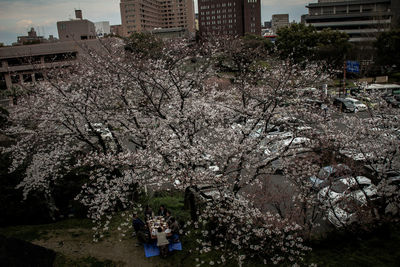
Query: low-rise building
102, 28
116, 30
362, 20
76, 29
279, 21
32, 38
25, 65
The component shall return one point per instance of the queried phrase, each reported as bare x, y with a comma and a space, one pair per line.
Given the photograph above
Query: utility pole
344, 77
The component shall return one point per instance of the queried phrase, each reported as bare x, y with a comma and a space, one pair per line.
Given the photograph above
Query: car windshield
357, 102
350, 206
339, 187
325, 172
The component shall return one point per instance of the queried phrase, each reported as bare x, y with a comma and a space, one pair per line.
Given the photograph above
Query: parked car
326, 173
344, 105
345, 197
101, 129
368, 101
357, 103
357, 188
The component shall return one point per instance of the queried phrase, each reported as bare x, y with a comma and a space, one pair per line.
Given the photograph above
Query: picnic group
160, 233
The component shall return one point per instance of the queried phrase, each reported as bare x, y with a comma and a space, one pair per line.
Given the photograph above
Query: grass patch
174, 201
40, 232
378, 248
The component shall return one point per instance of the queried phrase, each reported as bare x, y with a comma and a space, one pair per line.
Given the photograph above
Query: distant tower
32, 33
78, 14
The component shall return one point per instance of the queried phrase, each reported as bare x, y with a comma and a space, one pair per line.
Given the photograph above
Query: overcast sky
18, 16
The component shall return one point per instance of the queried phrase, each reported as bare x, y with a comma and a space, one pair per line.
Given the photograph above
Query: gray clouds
17, 16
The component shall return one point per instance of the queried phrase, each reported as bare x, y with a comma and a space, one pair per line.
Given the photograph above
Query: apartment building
229, 17
362, 20
149, 15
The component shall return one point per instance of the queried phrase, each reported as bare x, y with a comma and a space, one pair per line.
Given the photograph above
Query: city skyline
18, 16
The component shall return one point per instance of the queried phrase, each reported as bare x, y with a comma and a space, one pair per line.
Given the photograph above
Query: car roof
351, 99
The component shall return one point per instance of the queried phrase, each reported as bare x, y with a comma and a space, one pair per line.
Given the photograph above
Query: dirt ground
76, 244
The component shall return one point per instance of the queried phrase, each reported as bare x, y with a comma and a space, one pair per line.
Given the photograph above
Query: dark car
354, 91
392, 101
313, 102
344, 105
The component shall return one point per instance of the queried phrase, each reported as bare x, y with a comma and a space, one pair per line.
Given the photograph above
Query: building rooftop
44, 48
343, 2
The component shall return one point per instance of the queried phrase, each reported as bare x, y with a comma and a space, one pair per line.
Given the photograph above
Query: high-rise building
279, 21
229, 17
148, 15
362, 20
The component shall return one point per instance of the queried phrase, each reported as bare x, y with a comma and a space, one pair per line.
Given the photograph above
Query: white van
357, 103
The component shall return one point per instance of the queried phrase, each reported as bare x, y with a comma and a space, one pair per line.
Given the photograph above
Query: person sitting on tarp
174, 226
162, 242
140, 228
167, 217
161, 211
148, 213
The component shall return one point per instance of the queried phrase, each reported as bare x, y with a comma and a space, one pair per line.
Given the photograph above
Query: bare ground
77, 243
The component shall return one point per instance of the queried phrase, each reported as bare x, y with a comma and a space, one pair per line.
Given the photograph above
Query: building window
39, 77
15, 78
3, 84
27, 78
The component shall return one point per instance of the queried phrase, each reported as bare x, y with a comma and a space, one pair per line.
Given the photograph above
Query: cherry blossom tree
168, 122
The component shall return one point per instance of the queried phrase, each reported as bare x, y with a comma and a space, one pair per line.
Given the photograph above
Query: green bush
174, 202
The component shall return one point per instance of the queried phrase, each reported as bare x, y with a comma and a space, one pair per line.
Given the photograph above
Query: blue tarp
151, 249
